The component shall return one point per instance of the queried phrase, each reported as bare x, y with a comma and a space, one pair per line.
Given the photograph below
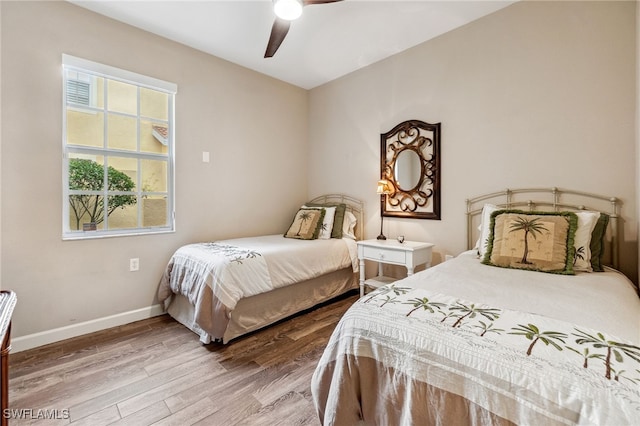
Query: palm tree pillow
306, 224
538, 241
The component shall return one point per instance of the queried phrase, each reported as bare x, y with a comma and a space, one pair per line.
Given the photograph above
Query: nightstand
408, 254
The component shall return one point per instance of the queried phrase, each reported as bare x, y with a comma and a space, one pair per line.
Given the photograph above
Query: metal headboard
354, 206
547, 199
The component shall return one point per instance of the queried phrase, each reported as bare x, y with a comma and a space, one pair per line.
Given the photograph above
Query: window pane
153, 137
122, 97
122, 132
79, 92
154, 211
86, 172
84, 89
154, 104
154, 175
124, 217
123, 173
81, 219
85, 128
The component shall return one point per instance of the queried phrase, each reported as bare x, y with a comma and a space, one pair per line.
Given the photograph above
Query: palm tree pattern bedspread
518, 366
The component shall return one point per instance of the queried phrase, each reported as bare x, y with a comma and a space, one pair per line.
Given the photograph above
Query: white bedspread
589, 299
466, 343
245, 267
290, 260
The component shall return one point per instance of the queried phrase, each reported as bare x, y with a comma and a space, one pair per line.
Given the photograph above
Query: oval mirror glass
407, 170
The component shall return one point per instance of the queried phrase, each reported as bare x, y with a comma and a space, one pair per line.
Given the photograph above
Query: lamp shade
288, 9
384, 187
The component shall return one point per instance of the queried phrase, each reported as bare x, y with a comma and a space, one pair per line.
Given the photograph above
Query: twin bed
225, 289
511, 336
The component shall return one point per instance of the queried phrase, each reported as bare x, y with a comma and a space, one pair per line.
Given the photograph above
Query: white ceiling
327, 42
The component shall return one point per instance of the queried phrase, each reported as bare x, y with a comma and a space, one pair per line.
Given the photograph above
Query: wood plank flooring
156, 372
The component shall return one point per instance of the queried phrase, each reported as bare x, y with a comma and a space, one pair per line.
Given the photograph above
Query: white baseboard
34, 340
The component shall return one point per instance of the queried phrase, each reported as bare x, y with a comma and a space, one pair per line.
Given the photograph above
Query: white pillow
485, 227
582, 241
327, 223
349, 225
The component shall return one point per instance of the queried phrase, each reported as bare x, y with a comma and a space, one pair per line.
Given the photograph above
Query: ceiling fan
286, 11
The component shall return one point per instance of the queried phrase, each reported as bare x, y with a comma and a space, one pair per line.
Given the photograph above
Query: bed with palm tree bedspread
485, 340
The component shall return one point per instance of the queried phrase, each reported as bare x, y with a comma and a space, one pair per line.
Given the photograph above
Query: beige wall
251, 124
536, 94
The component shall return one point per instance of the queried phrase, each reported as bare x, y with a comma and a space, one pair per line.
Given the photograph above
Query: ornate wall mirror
410, 162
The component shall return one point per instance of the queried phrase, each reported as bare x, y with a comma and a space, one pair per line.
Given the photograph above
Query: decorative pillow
485, 228
306, 224
327, 223
582, 256
349, 226
538, 241
338, 219
597, 242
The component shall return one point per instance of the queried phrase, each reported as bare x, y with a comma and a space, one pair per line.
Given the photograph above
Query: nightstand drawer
388, 256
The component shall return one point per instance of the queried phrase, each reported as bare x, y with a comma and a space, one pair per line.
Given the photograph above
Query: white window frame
108, 72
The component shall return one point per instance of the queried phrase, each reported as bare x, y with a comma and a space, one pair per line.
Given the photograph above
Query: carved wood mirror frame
415, 193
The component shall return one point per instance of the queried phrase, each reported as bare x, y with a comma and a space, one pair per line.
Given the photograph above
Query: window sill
92, 235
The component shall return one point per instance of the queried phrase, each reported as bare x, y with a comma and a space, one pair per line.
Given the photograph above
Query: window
118, 147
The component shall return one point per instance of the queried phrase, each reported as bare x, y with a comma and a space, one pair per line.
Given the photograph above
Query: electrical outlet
134, 264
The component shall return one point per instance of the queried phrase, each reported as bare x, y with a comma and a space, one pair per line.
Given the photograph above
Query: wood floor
157, 372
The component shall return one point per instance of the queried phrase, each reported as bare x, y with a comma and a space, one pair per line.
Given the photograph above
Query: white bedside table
409, 254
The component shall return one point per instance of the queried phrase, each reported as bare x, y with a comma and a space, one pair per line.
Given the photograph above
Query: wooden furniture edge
7, 303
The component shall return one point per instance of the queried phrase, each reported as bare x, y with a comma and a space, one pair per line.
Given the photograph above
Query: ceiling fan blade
278, 32
311, 2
